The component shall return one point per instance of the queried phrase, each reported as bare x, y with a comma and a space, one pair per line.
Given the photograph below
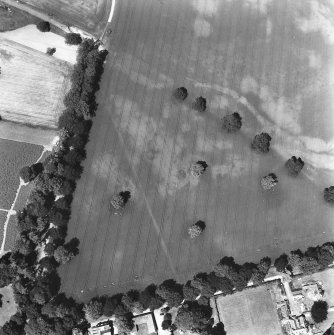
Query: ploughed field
89, 15
33, 85
272, 62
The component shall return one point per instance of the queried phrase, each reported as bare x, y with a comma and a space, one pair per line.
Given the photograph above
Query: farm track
143, 142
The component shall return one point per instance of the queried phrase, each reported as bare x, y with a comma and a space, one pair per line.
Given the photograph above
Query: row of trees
42, 223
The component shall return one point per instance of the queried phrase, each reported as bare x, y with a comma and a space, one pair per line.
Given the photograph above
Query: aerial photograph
166, 167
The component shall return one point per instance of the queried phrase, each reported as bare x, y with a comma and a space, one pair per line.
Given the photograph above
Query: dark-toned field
14, 155
272, 61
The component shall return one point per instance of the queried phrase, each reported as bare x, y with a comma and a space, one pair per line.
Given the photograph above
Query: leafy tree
7, 274
111, 303
150, 299
189, 292
281, 263
132, 303
73, 39
261, 271
269, 182
198, 168
12, 328
192, 317
199, 104
319, 311
29, 173
167, 322
201, 282
196, 229
309, 265
93, 309
24, 245
261, 142
120, 200
63, 254
294, 165
171, 292
295, 259
43, 26
329, 194
50, 51
232, 122
180, 93
48, 264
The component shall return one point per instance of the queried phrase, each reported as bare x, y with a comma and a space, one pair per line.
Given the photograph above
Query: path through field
272, 61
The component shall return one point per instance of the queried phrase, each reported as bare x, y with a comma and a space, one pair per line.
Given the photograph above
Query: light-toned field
273, 62
8, 304
89, 15
251, 312
33, 85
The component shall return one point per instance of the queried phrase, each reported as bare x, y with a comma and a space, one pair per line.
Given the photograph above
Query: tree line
42, 223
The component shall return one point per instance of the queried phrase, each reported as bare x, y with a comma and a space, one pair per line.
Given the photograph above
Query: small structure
102, 328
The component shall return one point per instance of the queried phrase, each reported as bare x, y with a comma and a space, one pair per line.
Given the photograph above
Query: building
145, 324
102, 328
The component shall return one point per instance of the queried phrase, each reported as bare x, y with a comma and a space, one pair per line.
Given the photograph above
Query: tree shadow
126, 195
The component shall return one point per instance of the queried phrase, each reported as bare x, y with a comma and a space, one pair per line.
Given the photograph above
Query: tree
29, 173
199, 104
93, 309
198, 168
281, 262
167, 322
43, 26
171, 292
131, 301
269, 182
149, 298
329, 194
319, 311
73, 39
192, 317
232, 122
196, 229
294, 165
261, 143
201, 282
119, 200
63, 254
50, 51
189, 292
180, 93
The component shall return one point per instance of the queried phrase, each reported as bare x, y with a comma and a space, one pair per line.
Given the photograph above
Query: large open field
89, 15
33, 85
272, 61
251, 312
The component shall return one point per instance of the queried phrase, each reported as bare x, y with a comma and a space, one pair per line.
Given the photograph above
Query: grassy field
251, 312
3, 216
89, 15
272, 61
33, 85
14, 19
14, 155
8, 305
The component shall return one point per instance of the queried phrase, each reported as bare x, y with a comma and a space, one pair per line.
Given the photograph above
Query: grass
250, 57
12, 233
8, 304
249, 312
3, 216
14, 155
34, 85
89, 15
14, 19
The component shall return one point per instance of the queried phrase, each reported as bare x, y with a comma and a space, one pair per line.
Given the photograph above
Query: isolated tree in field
62, 255
50, 51
73, 39
119, 200
198, 168
199, 104
180, 93
196, 229
43, 26
261, 142
93, 309
294, 165
269, 182
319, 311
329, 194
232, 122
